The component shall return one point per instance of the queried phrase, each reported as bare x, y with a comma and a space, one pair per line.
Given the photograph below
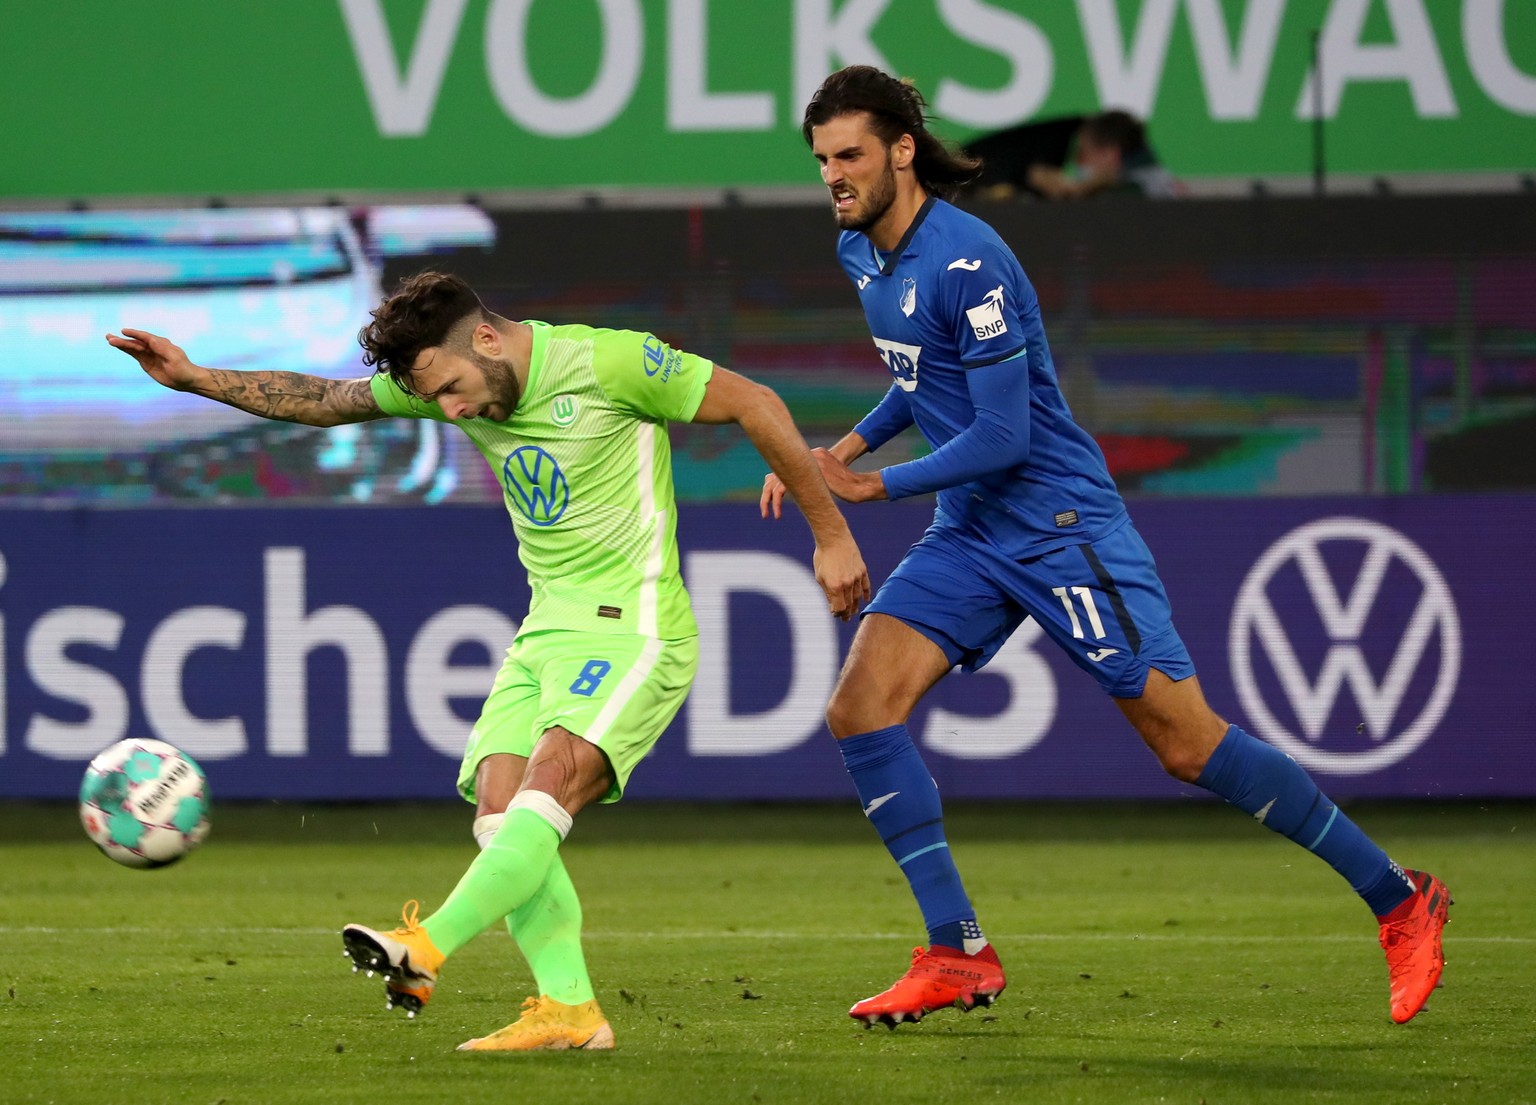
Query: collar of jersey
535, 358
894, 257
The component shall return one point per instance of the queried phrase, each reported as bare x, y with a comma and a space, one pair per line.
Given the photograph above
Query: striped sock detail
899, 797
910, 856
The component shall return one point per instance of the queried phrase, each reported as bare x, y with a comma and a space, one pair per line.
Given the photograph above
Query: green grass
1173, 953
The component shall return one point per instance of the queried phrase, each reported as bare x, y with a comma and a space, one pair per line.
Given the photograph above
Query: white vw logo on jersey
901, 360
1343, 619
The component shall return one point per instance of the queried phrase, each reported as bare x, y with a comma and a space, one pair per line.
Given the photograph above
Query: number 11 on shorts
1089, 608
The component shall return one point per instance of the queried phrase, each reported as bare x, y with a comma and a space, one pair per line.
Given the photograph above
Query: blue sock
901, 801
1261, 780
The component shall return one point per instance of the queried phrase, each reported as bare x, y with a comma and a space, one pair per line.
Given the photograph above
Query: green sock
504, 875
547, 927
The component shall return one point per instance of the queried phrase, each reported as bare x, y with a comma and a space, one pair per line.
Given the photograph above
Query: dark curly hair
894, 108
423, 312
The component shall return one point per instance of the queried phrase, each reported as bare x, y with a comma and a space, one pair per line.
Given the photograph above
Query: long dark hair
894, 108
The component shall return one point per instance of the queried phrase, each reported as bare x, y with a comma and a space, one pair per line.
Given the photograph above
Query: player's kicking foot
1410, 935
549, 1025
938, 978
405, 956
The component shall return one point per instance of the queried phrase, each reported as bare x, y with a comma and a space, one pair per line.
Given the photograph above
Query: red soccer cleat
938, 977
1412, 944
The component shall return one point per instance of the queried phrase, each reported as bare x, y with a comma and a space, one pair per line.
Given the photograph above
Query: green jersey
586, 470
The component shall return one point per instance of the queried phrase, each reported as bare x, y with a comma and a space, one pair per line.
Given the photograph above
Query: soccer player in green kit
573, 421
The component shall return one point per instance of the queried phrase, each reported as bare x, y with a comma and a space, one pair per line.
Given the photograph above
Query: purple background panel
340, 653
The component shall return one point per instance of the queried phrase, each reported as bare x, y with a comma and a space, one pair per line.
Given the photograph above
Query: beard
501, 381
870, 208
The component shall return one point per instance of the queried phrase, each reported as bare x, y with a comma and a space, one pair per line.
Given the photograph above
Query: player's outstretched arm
765, 419
283, 396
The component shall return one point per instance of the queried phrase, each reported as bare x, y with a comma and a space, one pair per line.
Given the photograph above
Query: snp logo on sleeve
901, 360
986, 318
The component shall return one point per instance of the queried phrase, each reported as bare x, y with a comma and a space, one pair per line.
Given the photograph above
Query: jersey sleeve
996, 441
891, 417
395, 400
644, 375
983, 288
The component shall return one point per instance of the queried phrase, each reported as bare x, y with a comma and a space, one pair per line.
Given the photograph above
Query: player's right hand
160, 358
840, 570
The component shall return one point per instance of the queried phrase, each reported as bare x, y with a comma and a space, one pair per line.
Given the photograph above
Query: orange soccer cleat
405, 956
1410, 935
938, 977
549, 1025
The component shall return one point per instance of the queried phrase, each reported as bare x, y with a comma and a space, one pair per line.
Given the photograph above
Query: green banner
223, 97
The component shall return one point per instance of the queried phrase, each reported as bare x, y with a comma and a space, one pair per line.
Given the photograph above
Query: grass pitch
1173, 953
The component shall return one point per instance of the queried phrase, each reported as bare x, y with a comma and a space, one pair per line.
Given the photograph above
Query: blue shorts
1102, 602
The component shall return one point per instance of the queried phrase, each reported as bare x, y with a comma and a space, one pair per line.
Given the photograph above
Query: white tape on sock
485, 828
536, 801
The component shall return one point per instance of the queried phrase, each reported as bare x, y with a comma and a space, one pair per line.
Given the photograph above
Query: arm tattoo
294, 396
353, 400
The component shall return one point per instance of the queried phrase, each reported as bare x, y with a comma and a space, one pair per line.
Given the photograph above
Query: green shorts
616, 691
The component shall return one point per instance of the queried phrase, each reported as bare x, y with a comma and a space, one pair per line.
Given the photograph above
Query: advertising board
342, 653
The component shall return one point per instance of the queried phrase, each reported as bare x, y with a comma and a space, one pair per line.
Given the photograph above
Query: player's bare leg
1176, 723
1196, 746
890, 667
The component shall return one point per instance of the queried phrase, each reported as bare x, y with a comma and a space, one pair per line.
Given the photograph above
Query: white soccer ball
144, 803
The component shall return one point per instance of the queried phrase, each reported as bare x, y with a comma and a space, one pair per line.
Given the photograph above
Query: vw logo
536, 485
1371, 635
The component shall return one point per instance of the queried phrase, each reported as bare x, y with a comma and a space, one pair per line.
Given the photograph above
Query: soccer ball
144, 803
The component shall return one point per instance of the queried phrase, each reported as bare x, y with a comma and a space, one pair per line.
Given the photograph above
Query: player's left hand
840, 570
845, 483
772, 498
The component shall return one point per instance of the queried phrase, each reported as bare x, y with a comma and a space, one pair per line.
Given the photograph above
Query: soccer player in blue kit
1028, 525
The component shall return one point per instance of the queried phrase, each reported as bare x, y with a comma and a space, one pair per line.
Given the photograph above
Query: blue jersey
952, 301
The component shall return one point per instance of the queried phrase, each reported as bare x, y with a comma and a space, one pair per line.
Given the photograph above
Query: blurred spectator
1008, 155
1112, 157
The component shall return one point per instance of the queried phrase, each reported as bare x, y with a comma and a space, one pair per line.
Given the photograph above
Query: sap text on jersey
902, 360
